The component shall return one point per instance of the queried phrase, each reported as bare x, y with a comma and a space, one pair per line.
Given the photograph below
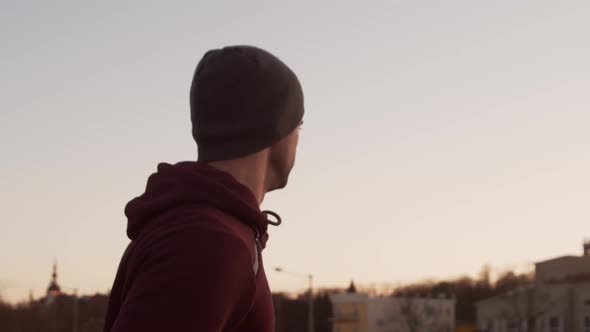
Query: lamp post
76, 312
75, 309
310, 316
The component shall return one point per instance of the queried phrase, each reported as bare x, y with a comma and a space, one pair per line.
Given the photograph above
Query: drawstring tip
276, 216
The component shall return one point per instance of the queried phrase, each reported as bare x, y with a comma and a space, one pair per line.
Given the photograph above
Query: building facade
557, 301
358, 312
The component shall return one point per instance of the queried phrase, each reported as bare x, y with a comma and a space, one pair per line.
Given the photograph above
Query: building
53, 290
358, 312
557, 301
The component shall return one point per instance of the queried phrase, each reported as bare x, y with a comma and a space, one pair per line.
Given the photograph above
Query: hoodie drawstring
275, 215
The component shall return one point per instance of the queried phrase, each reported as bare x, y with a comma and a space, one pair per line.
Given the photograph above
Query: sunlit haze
439, 135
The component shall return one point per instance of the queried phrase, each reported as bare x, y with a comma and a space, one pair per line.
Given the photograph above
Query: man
194, 262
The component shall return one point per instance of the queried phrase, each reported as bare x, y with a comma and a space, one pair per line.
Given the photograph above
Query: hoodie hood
193, 183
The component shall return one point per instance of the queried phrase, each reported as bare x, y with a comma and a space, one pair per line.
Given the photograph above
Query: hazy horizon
437, 137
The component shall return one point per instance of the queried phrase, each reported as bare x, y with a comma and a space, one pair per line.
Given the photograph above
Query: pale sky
439, 135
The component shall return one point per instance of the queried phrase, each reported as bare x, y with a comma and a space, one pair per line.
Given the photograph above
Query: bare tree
525, 306
378, 289
416, 315
2, 288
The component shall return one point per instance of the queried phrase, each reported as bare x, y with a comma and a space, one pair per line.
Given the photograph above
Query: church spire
54, 289
54, 275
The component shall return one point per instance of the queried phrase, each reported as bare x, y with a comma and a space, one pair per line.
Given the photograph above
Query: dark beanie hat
243, 99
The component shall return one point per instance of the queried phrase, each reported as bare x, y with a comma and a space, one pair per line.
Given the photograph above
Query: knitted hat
243, 99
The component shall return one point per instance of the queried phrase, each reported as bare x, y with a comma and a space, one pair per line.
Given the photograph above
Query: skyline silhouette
437, 137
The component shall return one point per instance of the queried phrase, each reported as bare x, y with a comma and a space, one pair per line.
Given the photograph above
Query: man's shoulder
207, 219
204, 223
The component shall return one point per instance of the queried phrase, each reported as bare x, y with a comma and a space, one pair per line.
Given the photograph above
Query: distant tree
468, 291
415, 315
2, 289
323, 310
485, 276
59, 316
509, 280
6, 315
291, 312
524, 306
378, 289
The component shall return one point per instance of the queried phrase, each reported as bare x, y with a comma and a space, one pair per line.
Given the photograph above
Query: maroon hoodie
194, 262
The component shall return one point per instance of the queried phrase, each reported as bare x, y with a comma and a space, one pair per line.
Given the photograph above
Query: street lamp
310, 318
75, 309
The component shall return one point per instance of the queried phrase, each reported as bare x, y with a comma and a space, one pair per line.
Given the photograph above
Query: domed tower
54, 290
352, 288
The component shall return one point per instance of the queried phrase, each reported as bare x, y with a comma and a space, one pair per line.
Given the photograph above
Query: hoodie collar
190, 183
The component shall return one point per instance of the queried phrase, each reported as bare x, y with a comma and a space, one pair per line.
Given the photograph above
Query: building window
554, 324
532, 323
486, 326
514, 325
429, 310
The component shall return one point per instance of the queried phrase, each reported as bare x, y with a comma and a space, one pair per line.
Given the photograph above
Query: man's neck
251, 171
